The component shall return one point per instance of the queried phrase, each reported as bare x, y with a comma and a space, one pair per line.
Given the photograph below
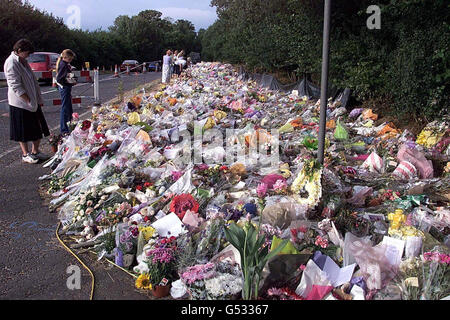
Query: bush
406, 62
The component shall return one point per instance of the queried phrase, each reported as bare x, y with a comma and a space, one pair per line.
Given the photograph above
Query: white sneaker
30, 159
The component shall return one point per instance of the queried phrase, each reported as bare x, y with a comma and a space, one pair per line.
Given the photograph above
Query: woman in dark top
63, 68
27, 122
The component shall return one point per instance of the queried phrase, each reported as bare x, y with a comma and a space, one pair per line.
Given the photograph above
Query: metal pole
96, 88
324, 80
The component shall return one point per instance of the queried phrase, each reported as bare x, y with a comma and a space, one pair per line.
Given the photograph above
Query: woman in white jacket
166, 67
27, 122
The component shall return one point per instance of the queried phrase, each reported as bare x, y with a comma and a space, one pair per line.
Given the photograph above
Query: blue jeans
66, 108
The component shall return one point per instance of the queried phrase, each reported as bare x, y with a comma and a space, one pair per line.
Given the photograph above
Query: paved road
33, 264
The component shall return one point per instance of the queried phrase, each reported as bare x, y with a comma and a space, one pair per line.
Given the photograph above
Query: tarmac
33, 264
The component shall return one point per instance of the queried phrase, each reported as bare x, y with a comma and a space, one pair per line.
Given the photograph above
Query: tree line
144, 37
404, 64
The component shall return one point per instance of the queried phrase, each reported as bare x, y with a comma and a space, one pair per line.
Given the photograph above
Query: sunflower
143, 282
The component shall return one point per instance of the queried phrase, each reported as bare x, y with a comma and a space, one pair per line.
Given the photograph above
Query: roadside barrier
85, 77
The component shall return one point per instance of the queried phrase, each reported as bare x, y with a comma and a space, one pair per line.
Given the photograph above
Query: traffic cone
54, 82
116, 73
144, 69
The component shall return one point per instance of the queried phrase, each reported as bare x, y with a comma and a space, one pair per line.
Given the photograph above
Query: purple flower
176, 175
161, 255
198, 272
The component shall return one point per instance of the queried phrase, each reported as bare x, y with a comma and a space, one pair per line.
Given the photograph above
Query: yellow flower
133, 118
210, 123
219, 114
397, 219
143, 282
147, 232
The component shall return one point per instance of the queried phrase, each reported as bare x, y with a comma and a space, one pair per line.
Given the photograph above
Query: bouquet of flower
308, 181
226, 284
161, 260
182, 203
425, 278
194, 279
312, 239
54, 139
223, 286
128, 238
212, 237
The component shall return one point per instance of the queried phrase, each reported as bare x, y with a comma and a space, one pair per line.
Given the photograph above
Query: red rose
139, 188
85, 125
182, 203
147, 184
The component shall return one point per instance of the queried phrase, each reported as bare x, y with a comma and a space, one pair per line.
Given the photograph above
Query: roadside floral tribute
244, 212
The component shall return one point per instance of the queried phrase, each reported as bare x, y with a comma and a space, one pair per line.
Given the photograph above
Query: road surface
33, 264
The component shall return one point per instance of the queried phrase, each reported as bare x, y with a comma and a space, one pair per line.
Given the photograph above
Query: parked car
153, 66
133, 64
43, 61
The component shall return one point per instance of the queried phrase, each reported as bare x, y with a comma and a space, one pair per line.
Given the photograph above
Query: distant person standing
63, 68
27, 122
174, 63
181, 62
167, 61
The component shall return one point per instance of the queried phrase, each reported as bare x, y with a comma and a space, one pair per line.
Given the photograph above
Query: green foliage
249, 242
405, 63
144, 37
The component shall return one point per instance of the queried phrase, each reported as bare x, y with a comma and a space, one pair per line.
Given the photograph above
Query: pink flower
303, 229
75, 116
280, 185
302, 267
271, 179
176, 175
321, 242
261, 190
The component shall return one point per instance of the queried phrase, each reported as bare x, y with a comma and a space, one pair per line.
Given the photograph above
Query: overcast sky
96, 14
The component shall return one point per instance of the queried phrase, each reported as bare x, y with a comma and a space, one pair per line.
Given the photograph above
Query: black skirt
26, 125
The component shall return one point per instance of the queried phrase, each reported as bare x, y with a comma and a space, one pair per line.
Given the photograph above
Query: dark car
153, 66
133, 64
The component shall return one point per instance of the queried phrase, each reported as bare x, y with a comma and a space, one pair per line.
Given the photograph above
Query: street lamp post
324, 81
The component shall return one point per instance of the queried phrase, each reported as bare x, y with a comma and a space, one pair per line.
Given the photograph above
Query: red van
43, 61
